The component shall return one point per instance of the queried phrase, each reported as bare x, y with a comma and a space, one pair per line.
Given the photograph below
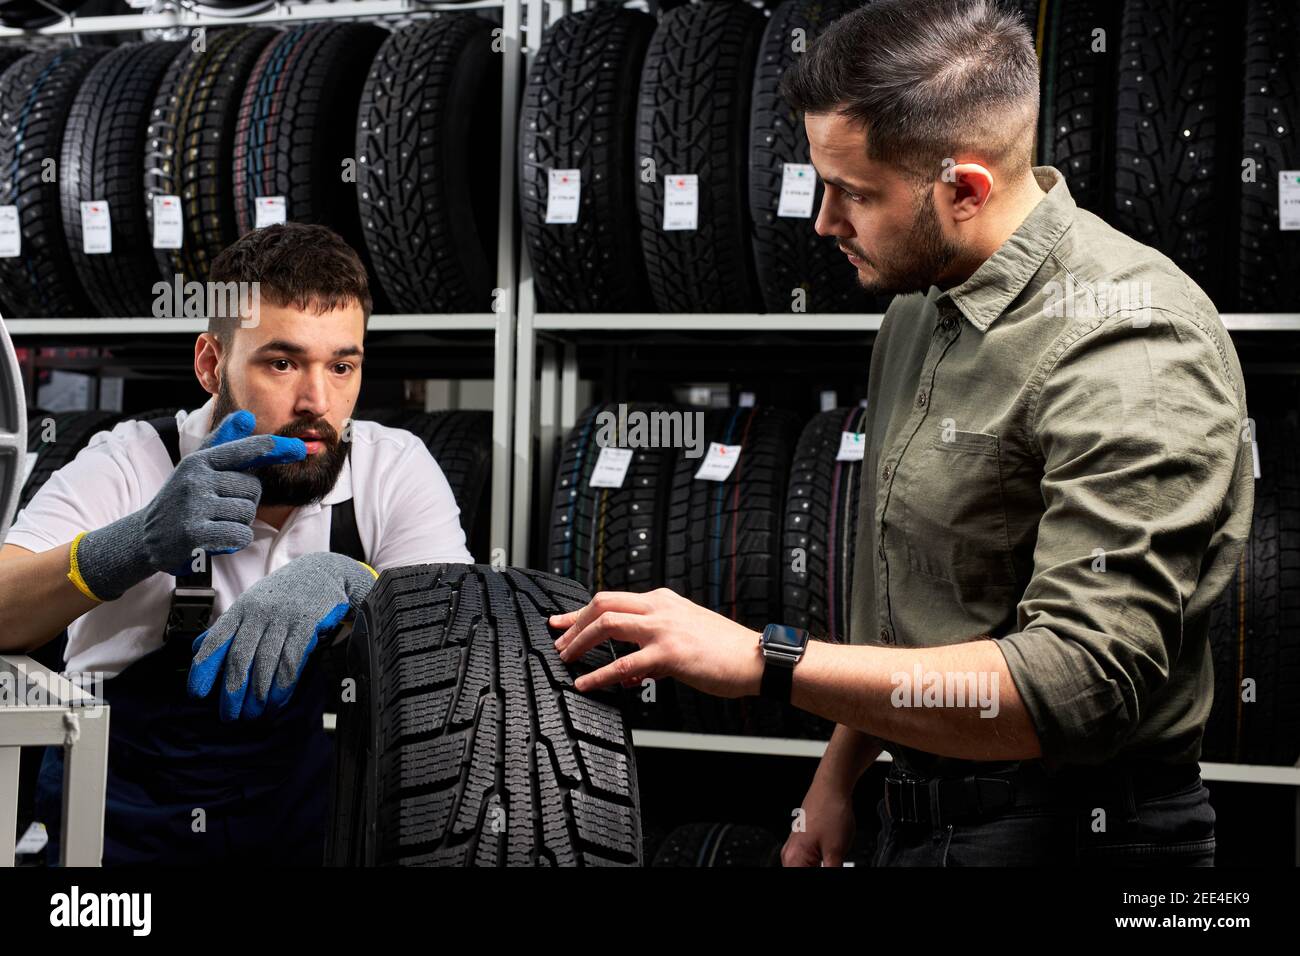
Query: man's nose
829, 221
311, 399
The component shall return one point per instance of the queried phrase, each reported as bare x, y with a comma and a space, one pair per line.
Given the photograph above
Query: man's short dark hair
295, 265
927, 79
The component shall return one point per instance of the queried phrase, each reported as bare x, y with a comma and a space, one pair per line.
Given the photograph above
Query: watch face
782, 635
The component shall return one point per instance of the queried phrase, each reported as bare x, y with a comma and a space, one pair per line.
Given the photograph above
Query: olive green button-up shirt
1058, 457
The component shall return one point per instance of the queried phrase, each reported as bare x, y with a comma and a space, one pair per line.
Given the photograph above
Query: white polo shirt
406, 514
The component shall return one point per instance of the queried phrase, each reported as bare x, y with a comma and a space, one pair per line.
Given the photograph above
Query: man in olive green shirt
1056, 486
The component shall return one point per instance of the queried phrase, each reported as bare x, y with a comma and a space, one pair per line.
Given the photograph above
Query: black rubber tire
72, 430
1179, 192
190, 152
724, 548
1255, 624
821, 519
693, 117
428, 177
103, 149
461, 443
35, 97
788, 253
9, 55
1268, 280
731, 845
611, 539
1076, 129
464, 711
297, 127
579, 112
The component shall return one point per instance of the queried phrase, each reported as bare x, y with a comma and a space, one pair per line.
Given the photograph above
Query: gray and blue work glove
266, 635
207, 503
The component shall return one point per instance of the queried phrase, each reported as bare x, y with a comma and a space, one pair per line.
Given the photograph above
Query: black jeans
1168, 829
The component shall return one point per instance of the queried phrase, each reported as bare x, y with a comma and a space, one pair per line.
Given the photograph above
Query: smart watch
783, 647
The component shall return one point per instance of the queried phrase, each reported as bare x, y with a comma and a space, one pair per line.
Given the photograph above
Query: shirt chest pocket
954, 522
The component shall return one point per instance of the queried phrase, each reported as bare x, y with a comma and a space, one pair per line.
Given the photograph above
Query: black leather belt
939, 801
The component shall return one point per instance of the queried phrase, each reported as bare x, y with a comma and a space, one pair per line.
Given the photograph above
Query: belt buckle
188, 616
907, 810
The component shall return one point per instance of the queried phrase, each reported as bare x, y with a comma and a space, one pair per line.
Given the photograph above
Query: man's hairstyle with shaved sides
927, 80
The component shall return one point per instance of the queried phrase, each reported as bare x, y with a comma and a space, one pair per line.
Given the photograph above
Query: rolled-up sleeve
1140, 429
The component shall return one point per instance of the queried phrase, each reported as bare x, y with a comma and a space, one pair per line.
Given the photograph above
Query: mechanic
277, 510
1057, 485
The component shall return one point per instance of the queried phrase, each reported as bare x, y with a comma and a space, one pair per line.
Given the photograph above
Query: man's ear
971, 185
207, 362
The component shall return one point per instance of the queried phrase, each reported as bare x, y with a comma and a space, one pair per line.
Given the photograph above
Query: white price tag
1288, 199
719, 462
270, 211
1254, 454
167, 230
11, 237
33, 840
798, 187
96, 228
746, 400
681, 201
563, 189
31, 462
851, 446
611, 468
829, 400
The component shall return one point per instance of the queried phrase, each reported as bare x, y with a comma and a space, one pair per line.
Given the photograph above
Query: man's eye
343, 368
280, 365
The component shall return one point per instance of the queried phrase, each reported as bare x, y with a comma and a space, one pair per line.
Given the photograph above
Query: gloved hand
208, 502
264, 637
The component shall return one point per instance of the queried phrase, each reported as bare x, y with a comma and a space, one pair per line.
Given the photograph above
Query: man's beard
295, 482
925, 256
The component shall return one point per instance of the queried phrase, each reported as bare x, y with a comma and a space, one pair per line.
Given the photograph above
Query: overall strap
193, 598
344, 537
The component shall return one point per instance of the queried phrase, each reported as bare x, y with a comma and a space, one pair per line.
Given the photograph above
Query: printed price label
11, 238
719, 462
270, 211
96, 228
851, 446
563, 190
681, 201
1288, 199
611, 468
167, 222
798, 187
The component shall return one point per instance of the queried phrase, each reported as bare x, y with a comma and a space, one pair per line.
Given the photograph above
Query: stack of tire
342, 124
729, 545
631, 104
1255, 623
1142, 110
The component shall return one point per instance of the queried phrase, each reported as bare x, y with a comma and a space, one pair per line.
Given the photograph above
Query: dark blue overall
186, 788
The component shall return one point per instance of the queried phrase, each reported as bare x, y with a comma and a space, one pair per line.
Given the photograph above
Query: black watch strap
782, 647
778, 682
